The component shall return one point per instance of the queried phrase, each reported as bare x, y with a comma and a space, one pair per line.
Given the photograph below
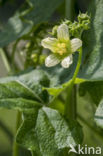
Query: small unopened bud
54, 30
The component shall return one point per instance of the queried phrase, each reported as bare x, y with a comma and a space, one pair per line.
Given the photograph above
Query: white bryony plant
62, 47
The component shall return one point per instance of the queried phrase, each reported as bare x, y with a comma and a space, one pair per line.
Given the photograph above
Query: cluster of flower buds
77, 27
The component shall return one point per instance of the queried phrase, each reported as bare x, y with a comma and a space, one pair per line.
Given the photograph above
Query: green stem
68, 111
13, 51
74, 102
32, 153
5, 60
15, 146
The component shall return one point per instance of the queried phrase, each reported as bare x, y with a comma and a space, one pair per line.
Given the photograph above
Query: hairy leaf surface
27, 86
48, 133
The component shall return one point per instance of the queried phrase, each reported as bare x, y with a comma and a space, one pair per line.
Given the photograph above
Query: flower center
61, 48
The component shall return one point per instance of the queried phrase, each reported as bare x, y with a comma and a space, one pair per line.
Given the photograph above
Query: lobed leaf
48, 133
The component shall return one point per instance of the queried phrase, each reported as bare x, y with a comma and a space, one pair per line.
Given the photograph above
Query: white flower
62, 47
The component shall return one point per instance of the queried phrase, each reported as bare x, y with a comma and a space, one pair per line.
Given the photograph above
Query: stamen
63, 45
59, 44
61, 52
61, 48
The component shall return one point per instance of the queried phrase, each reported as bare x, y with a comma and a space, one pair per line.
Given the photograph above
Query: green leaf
48, 133
36, 85
43, 130
92, 66
13, 30
21, 23
94, 89
25, 135
99, 114
19, 104
27, 86
39, 12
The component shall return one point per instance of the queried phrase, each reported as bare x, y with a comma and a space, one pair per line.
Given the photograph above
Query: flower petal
76, 43
63, 32
51, 60
49, 43
67, 61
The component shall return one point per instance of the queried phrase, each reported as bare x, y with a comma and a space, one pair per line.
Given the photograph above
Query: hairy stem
69, 108
15, 146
